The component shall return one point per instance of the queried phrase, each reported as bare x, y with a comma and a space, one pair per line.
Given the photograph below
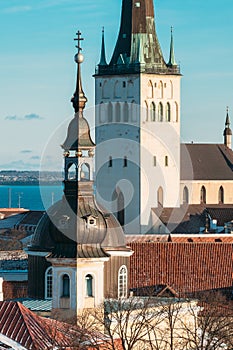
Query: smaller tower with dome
227, 131
78, 255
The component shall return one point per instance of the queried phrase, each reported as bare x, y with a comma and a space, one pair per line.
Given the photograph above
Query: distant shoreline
30, 183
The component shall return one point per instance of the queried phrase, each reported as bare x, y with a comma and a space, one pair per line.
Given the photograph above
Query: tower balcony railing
136, 68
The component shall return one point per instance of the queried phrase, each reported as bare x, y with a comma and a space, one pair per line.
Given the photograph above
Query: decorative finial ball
79, 58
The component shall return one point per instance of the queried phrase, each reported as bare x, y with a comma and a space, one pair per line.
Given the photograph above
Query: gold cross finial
79, 39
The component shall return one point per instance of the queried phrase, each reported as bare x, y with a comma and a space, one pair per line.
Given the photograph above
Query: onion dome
90, 234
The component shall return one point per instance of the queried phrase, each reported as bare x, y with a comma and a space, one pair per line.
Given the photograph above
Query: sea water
29, 197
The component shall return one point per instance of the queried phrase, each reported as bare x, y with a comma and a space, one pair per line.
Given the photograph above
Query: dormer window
63, 221
91, 221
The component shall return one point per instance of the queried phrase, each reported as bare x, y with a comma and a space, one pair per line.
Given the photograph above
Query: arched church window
134, 112
126, 112
118, 112
105, 90
110, 112
118, 199
185, 195
221, 195
203, 195
160, 196
150, 89
85, 172
65, 286
176, 112
160, 89
160, 112
168, 112
171, 89
89, 285
145, 112
122, 282
72, 172
152, 112
130, 88
117, 89
49, 283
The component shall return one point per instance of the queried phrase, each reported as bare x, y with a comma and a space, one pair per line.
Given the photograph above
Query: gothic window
110, 112
85, 172
203, 195
160, 90
130, 89
89, 285
221, 195
168, 112
160, 196
152, 112
126, 112
122, 282
160, 112
118, 112
171, 89
105, 90
65, 286
118, 198
72, 172
49, 283
150, 89
117, 90
145, 112
185, 195
176, 112
133, 108
155, 161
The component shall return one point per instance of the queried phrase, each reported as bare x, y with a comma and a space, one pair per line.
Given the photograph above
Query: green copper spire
172, 60
103, 56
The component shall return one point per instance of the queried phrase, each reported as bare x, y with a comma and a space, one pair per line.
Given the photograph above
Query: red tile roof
26, 328
185, 267
147, 238
204, 238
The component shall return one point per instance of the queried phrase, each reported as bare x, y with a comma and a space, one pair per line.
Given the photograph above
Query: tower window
89, 285
66, 286
124, 84
122, 282
137, 4
110, 162
100, 84
125, 162
203, 195
124, 36
154, 160
166, 160
221, 195
49, 283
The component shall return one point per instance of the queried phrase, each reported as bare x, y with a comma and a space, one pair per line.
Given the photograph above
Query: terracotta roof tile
186, 268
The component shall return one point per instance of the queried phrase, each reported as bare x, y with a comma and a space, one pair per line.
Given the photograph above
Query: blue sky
37, 71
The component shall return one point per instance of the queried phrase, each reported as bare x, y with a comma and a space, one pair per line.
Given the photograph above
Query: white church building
141, 166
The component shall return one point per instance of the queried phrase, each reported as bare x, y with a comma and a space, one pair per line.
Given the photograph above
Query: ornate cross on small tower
79, 39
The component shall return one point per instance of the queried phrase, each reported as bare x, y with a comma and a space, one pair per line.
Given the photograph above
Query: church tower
137, 97
227, 132
78, 255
